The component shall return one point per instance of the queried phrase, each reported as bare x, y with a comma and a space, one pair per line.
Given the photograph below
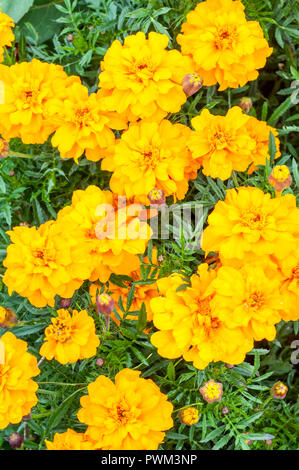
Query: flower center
151, 157
82, 117
295, 272
142, 70
226, 38
255, 301
253, 220
60, 330
43, 257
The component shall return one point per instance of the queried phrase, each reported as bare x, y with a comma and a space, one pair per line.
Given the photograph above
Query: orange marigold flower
189, 416
221, 143
247, 298
42, 263
249, 224
279, 390
280, 178
70, 440
111, 237
83, 124
4, 148
151, 155
212, 391
289, 287
142, 79
225, 47
259, 131
190, 326
131, 414
17, 389
8, 318
6, 34
28, 88
70, 337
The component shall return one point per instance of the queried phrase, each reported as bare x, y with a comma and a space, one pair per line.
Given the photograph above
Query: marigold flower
109, 236
212, 391
224, 46
70, 337
4, 148
280, 178
245, 104
83, 124
28, 88
151, 155
289, 287
70, 440
42, 263
6, 34
248, 224
221, 143
190, 326
249, 299
131, 414
8, 318
259, 131
17, 389
192, 82
142, 79
189, 416
279, 390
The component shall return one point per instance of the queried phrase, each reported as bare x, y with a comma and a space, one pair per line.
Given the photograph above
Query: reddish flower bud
100, 362
225, 410
229, 366
156, 196
15, 440
24, 224
70, 38
8, 318
11, 173
161, 258
211, 391
192, 82
245, 104
279, 390
105, 304
269, 442
4, 148
65, 303
26, 417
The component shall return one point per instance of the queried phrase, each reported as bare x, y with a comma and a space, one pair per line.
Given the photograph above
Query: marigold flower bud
212, 391
26, 417
245, 104
225, 410
156, 196
279, 390
4, 148
192, 82
280, 178
65, 303
105, 304
161, 258
269, 442
15, 440
11, 173
8, 318
189, 416
70, 37
229, 366
24, 224
100, 362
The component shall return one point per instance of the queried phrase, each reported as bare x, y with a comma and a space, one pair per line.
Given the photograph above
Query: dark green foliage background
33, 190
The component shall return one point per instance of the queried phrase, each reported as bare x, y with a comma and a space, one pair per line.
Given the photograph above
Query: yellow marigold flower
248, 224
221, 143
280, 178
83, 124
17, 389
190, 326
289, 287
70, 440
6, 34
8, 318
142, 294
211, 391
28, 88
142, 79
259, 131
108, 235
4, 148
189, 416
70, 337
151, 155
42, 263
247, 298
131, 414
279, 390
225, 47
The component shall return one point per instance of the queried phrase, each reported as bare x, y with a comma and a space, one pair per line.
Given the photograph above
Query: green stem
61, 383
235, 178
229, 98
187, 406
20, 155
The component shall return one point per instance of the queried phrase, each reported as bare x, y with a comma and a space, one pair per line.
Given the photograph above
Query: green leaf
15, 9
272, 147
61, 411
288, 103
243, 424
224, 440
171, 372
141, 323
43, 19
